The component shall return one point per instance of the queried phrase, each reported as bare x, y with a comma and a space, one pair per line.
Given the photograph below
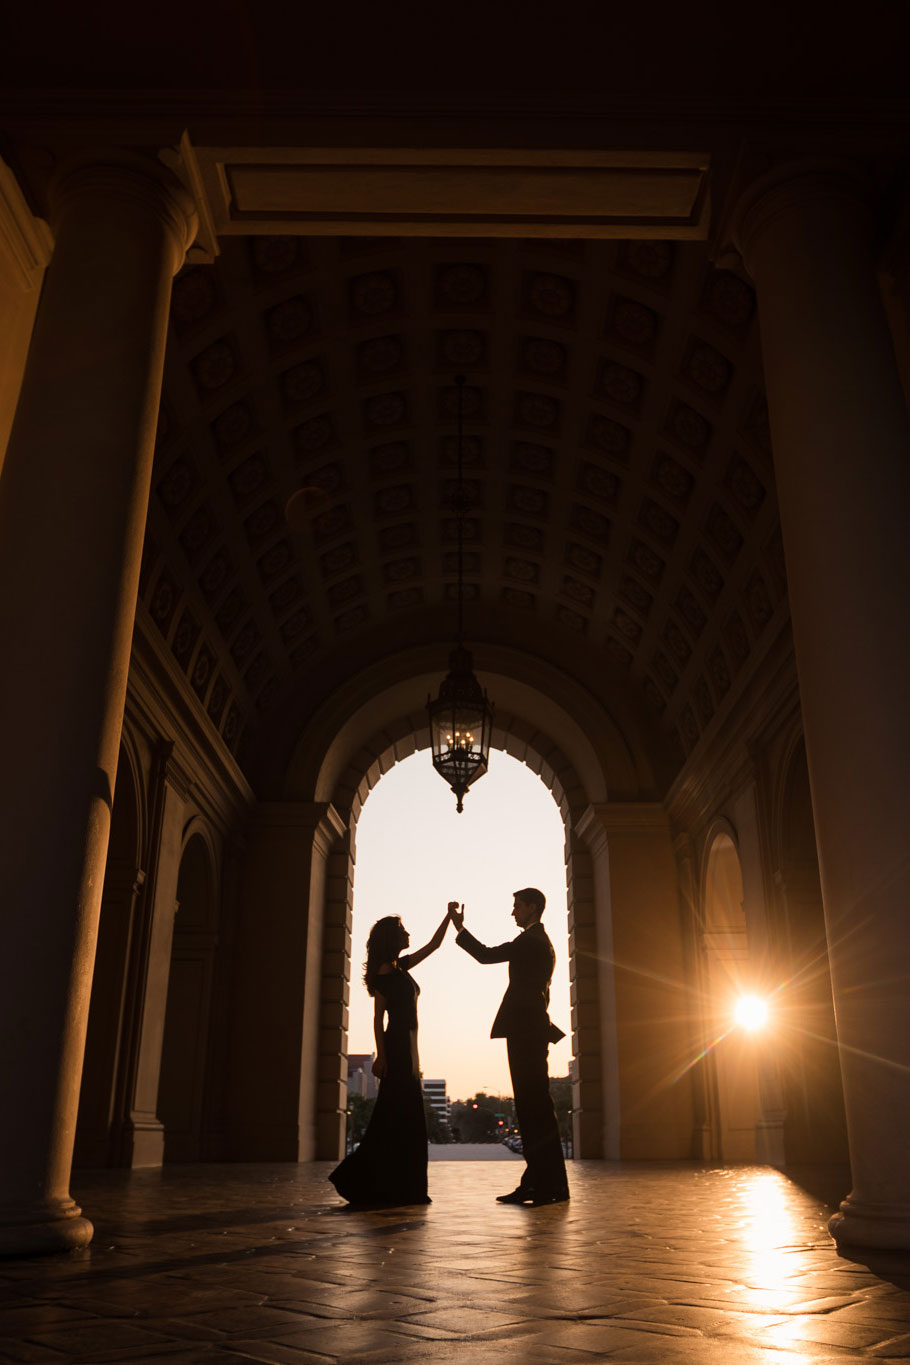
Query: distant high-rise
361, 1080
435, 1093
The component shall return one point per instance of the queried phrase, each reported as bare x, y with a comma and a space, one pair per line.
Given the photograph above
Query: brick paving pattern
648, 1263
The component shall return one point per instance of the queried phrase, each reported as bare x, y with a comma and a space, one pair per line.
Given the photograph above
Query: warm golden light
750, 1013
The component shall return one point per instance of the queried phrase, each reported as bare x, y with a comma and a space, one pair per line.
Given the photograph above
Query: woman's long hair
382, 946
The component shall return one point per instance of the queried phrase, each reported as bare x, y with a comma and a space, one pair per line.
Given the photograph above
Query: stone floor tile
849, 1336
599, 1340
15, 1321
895, 1348
876, 1310
253, 1321
346, 1340
97, 1339
656, 1326
466, 1321
273, 1353
26, 1352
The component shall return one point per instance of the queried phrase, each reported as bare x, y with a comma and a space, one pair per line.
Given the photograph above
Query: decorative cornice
631, 817
286, 105
725, 762
26, 242
169, 708
317, 817
589, 828
182, 162
175, 773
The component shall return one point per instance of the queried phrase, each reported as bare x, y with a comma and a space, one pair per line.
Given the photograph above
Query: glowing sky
414, 854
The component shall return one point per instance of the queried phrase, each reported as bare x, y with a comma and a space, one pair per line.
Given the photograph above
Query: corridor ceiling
617, 456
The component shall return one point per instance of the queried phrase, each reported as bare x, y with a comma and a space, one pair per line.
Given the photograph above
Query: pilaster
655, 1031
277, 978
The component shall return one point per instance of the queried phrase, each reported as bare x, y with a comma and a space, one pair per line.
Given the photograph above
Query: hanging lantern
461, 717
461, 726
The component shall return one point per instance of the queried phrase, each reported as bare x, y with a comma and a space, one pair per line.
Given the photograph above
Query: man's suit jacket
523, 1012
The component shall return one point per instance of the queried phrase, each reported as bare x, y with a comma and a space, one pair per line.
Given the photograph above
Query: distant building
361, 1080
435, 1093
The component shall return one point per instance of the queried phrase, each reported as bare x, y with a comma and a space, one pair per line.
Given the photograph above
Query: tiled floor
264, 1263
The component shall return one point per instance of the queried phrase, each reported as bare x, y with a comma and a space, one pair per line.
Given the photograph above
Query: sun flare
750, 1013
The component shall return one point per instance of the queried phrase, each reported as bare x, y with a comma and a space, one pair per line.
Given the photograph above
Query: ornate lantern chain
461, 717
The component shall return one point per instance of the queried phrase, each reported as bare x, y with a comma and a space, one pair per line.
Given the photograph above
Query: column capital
796, 187
317, 817
115, 176
25, 241
172, 771
631, 817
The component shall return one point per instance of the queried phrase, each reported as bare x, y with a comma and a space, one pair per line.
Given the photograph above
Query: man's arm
480, 951
472, 945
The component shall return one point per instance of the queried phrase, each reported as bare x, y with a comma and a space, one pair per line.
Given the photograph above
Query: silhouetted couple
390, 1164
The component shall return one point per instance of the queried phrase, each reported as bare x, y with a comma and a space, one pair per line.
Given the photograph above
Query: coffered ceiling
617, 458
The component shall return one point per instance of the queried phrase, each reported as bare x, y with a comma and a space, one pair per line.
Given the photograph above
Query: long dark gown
390, 1164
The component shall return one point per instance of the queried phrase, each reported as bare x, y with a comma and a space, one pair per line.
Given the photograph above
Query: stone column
276, 993
695, 969
142, 1132
655, 1031
73, 500
332, 1075
596, 1105
842, 459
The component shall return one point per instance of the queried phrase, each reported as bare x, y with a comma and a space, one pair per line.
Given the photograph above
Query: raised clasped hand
456, 915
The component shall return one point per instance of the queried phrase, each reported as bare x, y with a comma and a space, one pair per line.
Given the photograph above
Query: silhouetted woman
390, 1164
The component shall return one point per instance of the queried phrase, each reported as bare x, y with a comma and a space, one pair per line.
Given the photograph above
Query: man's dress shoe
538, 1200
518, 1196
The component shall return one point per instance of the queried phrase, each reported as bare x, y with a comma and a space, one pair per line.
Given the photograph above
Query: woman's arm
412, 959
380, 1066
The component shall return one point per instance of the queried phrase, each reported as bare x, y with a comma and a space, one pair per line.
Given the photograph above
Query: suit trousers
545, 1172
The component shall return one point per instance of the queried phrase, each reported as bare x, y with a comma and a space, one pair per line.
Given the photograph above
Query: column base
588, 1138
884, 1227
41, 1229
141, 1143
770, 1149
330, 1134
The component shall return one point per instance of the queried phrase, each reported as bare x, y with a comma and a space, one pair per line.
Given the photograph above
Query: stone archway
594, 1056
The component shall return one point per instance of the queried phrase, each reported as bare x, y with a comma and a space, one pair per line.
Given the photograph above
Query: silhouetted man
523, 1021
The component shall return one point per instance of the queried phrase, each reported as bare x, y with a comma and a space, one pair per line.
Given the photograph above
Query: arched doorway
182, 1089
102, 1102
591, 1057
413, 854
734, 1098
815, 1123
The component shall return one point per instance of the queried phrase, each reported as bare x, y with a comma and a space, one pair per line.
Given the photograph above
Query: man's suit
523, 1021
